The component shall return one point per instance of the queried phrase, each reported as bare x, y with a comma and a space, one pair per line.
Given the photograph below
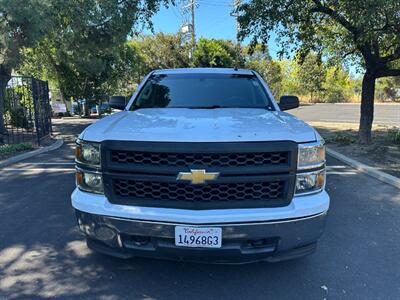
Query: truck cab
203, 165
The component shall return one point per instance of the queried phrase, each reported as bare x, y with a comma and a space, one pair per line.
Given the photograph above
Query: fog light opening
140, 240
105, 233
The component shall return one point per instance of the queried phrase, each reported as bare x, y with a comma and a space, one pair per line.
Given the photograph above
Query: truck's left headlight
310, 182
311, 155
89, 181
87, 153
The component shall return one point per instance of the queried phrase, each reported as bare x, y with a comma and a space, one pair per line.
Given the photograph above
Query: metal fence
27, 111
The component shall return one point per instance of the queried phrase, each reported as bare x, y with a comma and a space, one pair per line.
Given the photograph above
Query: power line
215, 4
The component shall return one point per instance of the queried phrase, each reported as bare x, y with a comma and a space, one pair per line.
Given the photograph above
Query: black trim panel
241, 174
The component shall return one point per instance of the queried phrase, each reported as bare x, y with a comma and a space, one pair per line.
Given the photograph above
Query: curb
12, 160
371, 171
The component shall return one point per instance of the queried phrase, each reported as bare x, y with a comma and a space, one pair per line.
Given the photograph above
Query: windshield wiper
219, 106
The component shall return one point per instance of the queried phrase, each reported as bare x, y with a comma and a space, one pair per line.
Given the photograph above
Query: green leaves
162, 51
338, 28
214, 53
84, 51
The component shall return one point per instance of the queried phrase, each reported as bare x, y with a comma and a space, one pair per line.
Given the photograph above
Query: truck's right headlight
311, 156
89, 181
310, 182
87, 153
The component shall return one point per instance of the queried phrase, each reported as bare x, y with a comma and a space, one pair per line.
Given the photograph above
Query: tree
312, 76
388, 89
290, 82
366, 32
162, 51
214, 53
259, 59
76, 37
337, 86
22, 23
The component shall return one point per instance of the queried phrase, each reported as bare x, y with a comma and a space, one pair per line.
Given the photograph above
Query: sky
212, 20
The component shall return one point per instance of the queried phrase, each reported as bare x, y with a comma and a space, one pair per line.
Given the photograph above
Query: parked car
104, 109
202, 165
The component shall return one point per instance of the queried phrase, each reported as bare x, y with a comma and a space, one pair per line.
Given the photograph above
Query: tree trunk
367, 108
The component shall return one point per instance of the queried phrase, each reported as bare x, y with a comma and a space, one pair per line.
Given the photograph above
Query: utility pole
188, 26
235, 4
192, 6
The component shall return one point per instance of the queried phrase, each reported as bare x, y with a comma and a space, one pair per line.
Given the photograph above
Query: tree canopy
313, 74
214, 53
162, 51
367, 32
259, 59
78, 38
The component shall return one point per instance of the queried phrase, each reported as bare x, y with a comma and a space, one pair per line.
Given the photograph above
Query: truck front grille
252, 174
220, 192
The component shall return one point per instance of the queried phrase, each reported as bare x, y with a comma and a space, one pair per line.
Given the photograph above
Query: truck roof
204, 71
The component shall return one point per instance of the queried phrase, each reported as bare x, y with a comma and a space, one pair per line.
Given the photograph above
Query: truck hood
200, 125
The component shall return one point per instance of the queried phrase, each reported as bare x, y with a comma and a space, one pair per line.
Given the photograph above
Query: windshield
202, 91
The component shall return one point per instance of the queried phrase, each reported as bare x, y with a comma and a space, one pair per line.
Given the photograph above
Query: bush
12, 148
335, 96
17, 118
393, 135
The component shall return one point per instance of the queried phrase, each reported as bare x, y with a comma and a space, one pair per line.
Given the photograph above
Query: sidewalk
64, 129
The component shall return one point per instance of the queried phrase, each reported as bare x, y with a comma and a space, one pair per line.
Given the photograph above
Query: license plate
203, 237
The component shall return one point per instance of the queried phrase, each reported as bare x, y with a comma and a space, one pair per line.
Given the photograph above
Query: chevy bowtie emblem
197, 176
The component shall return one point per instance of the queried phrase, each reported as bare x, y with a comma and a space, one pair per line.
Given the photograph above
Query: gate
27, 110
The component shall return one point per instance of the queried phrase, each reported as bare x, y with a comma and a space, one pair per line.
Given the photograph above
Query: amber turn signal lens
78, 151
79, 178
320, 179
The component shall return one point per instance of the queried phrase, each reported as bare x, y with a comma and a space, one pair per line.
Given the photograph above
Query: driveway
43, 255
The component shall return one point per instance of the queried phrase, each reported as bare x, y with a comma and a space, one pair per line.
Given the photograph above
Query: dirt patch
383, 153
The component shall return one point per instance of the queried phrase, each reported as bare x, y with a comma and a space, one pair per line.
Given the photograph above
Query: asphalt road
42, 254
347, 113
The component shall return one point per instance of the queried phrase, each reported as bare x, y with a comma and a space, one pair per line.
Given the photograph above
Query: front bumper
299, 207
242, 242
250, 234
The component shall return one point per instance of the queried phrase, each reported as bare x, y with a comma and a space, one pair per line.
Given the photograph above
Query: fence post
3, 83
48, 107
36, 108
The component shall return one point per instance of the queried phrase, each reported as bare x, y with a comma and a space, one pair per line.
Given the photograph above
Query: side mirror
288, 102
117, 102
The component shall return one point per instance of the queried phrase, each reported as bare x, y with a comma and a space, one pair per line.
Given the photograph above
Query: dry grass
383, 153
305, 99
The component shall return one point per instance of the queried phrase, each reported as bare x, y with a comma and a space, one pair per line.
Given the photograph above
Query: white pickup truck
201, 165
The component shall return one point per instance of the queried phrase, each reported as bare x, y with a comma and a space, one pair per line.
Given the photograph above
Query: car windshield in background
203, 91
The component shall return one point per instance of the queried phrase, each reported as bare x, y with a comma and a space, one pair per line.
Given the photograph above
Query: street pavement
384, 114
43, 255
